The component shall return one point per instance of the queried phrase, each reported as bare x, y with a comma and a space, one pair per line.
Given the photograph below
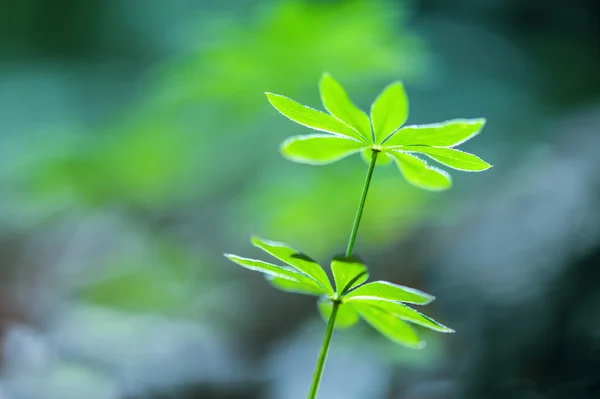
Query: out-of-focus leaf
404, 312
296, 259
348, 273
389, 111
310, 117
451, 157
338, 104
346, 315
387, 291
445, 134
319, 149
303, 285
390, 326
263, 267
162, 279
418, 173
283, 46
382, 158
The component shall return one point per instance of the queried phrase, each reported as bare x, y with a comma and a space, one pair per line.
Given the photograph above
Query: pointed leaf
451, 157
405, 313
382, 157
387, 291
296, 259
418, 173
310, 117
264, 267
303, 285
348, 273
337, 103
390, 326
389, 111
446, 134
346, 315
319, 149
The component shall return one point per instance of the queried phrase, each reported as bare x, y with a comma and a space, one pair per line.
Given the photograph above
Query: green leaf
451, 157
346, 315
389, 111
390, 326
319, 149
264, 267
303, 285
310, 117
382, 157
405, 313
348, 273
337, 103
446, 134
296, 259
418, 173
384, 290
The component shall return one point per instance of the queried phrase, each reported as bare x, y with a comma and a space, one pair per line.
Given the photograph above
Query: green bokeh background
137, 146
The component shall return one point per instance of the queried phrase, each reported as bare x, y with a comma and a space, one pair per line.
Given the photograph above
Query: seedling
380, 139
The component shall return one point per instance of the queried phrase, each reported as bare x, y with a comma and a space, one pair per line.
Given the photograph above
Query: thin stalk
323, 354
331, 323
361, 204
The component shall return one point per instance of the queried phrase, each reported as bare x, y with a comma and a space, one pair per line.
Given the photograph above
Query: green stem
361, 204
331, 323
323, 355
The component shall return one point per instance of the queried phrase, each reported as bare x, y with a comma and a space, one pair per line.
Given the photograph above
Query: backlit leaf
348, 273
310, 117
346, 315
418, 173
405, 313
390, 326
337, 103
389, 111
264, 267
296, 259
445, 134
387, 291
451, 157
319, 149
303, 285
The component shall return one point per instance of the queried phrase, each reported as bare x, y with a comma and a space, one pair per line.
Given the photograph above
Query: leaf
389, 111
264, 267
296, 259
418, 173
386, 291
382, 157
319, 149
346, 315
390, 326
451, 157
348, 273
303, 285
310, 117
337, 103
445, 134
405, 313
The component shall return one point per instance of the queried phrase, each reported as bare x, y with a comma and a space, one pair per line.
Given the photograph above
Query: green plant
380, 138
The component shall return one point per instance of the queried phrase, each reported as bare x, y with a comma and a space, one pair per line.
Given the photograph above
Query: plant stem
323, 355
331, 323
361, 204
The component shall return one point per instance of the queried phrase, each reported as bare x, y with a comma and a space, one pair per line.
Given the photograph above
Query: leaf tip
256, 240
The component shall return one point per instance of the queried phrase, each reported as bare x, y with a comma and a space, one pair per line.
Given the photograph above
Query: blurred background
137, 146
